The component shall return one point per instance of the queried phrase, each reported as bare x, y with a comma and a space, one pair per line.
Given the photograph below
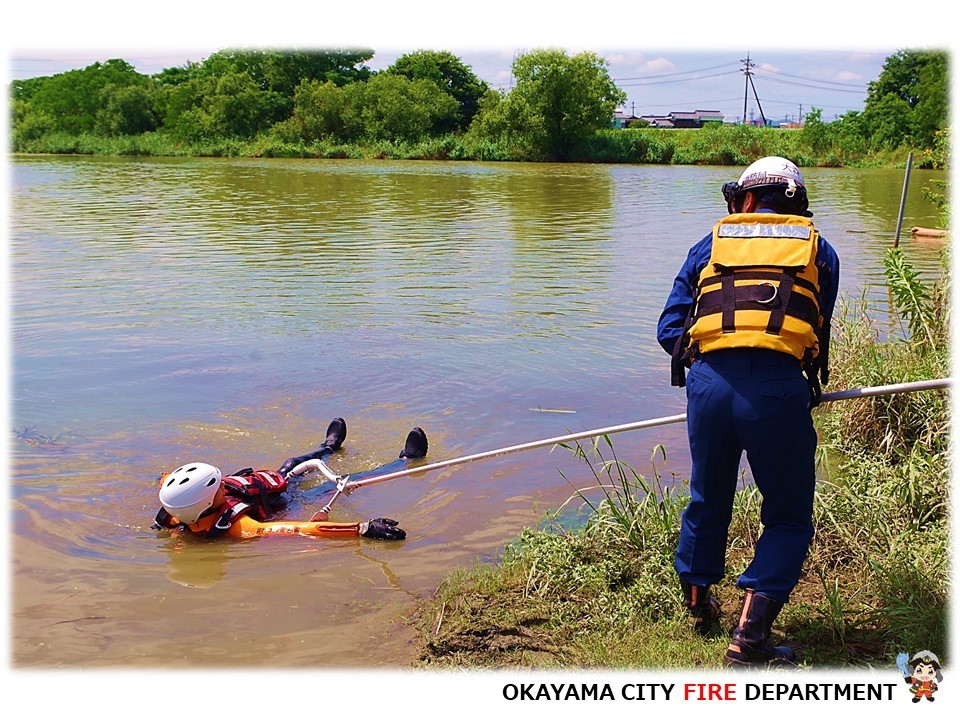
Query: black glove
815, 391
382, 529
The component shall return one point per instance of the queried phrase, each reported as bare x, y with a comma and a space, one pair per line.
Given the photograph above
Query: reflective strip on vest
761, 287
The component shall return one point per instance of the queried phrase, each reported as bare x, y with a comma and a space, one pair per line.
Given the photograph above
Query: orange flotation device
245, 527
250, 497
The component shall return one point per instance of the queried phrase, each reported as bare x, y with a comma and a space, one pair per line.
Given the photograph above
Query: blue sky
687, 56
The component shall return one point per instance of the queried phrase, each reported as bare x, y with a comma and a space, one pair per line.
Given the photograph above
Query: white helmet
189, 490
771, 172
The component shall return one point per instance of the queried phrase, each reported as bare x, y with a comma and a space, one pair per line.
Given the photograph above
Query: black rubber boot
336, 434
703, 608
416, 444
750, 645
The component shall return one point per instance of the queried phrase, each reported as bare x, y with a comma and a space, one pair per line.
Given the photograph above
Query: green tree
815, 131
177, 75
234, 105
283, 71
27, 126
497, 130
318, 110
28, 123
24, 90
393, 107
913, 87
451, 75
126, 110
889, 122
558, 103
68, 102
239, 93
850, 135
932, 111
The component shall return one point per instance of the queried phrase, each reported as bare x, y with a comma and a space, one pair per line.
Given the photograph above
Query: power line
682, 72
670, 82
862, 91
800, 77
695, 103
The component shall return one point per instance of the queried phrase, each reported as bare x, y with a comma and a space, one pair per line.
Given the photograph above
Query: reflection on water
171, 310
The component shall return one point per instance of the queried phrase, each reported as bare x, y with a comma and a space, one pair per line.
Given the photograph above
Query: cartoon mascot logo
922, 673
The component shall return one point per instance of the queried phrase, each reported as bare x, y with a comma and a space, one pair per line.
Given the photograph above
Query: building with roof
709, 116
622, 119
674, 119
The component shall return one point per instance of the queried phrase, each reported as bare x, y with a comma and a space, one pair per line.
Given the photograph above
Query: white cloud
847, 76
657, 65
636, 63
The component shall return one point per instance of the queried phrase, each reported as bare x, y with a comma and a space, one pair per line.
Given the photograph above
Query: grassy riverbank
736, 145
600, 590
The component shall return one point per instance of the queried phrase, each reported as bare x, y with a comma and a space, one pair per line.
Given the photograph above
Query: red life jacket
249, 492
258, 493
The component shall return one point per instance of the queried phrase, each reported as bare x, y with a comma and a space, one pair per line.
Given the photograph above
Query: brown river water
169, 310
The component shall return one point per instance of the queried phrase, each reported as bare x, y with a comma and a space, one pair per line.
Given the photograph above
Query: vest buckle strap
728, 301
778, 313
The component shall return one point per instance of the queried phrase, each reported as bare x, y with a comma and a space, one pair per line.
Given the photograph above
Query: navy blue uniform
755, 401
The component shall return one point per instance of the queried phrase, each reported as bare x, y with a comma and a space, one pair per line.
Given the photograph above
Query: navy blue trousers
753, 401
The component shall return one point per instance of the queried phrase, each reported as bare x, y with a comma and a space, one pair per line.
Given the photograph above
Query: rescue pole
346, 486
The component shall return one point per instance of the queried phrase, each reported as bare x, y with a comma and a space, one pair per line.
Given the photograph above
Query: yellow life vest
761, 288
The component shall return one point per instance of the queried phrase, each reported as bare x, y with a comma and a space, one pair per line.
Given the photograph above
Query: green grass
729, 145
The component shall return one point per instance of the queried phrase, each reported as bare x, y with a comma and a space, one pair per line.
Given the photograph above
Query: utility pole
748, 83
746, 71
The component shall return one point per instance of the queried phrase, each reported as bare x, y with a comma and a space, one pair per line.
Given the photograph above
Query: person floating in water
198, 499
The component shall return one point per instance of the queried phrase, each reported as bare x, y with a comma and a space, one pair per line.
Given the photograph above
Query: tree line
297, 102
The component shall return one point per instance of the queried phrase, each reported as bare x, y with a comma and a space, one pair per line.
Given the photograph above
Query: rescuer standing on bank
749, 315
